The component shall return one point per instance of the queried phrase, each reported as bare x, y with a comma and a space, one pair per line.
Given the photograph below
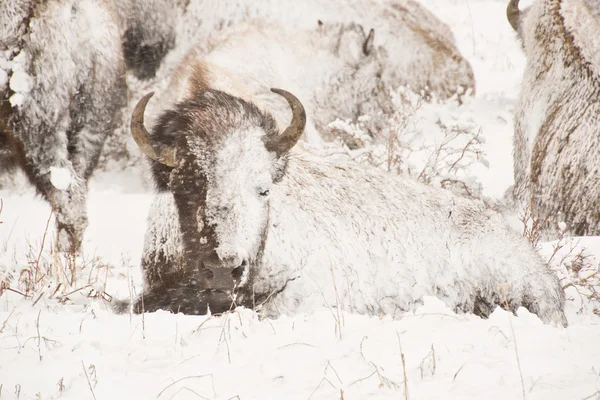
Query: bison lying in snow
244, 217
345, 82
60, 98
420, 48
557, 119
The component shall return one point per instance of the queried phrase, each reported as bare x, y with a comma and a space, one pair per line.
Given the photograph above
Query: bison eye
263, 192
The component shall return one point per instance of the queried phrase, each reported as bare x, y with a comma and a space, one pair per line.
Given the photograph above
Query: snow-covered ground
74, 347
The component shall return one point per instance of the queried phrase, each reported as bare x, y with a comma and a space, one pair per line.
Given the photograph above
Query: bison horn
159, 153
290, 136
513, 14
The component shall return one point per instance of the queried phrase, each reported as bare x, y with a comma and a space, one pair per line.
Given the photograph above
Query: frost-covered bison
149, 31
61, 89
420, 48
245, 217
336, 68
557, 118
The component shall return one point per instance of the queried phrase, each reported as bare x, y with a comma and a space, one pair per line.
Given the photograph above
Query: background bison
557, 118
62, 95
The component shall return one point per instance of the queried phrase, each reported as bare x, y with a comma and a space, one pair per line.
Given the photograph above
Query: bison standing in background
149, 32
557, 118
61, 89
244, 217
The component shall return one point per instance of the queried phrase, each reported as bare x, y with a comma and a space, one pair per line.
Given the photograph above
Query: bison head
220, 156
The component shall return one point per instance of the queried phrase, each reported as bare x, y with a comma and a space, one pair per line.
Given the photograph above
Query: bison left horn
290, 136
158, 152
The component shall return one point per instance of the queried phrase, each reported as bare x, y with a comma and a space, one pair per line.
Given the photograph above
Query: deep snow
81, 350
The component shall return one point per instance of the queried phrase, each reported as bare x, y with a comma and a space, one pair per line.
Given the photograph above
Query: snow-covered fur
303, 232
557, 118
61, 92
340, 61
421, 49
149, 30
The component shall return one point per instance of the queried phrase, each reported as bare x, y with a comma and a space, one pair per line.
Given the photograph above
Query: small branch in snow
517, 356
39, 338
37, 260
318, 386
334, 371
457, 372
7, 318
406, 397
190, 377
294, 344
361, 347
593, 396
88, 380
428, 361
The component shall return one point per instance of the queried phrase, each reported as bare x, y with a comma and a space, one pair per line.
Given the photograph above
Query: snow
71, 346
61, 178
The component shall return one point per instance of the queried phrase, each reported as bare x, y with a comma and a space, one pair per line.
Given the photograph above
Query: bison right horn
513, 14
290, 136
158, 152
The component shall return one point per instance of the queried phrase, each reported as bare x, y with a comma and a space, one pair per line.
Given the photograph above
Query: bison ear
368, 44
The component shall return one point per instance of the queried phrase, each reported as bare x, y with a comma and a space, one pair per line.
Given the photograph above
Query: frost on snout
237, 197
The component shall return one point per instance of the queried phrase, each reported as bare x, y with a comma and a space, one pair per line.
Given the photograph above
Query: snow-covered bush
428, 141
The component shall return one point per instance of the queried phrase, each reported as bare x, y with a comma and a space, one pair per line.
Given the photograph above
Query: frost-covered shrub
428, 141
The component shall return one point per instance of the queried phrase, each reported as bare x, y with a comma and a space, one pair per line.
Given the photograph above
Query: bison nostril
238, 272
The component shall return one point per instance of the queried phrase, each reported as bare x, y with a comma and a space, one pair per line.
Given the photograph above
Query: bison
148, 29
557, 116
420, 48
61, 96
244, 216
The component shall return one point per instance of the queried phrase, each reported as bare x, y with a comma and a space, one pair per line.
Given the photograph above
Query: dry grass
40, 271
577, 269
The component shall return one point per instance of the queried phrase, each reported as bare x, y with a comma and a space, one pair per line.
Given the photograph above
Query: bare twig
37, 260
593, 396
7, 318
88, 380
190, 377
406, 397
517, 356
319, 385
